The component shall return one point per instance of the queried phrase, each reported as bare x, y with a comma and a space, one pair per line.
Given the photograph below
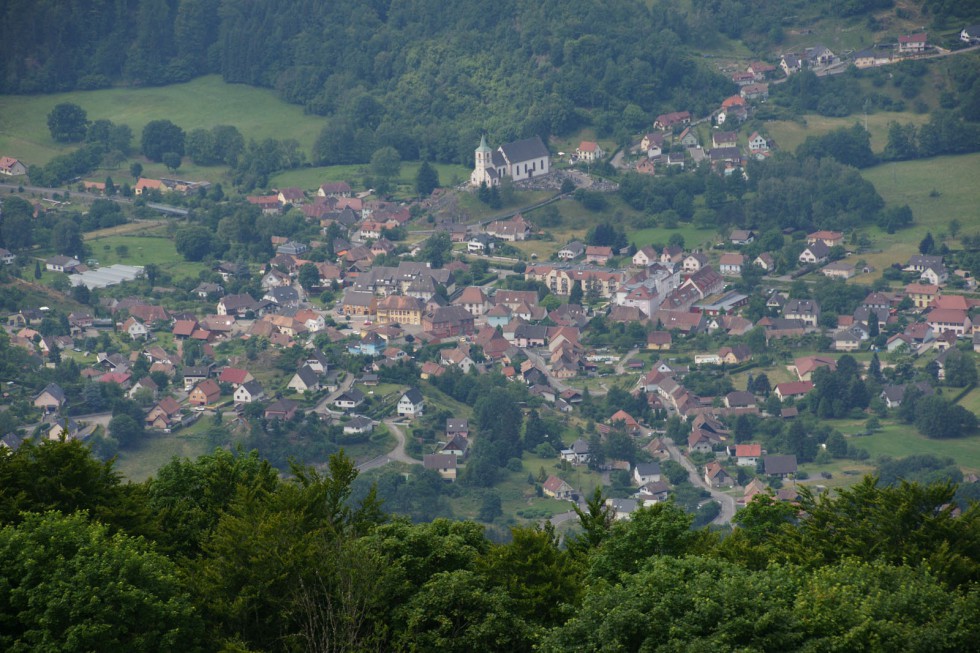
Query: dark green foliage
161, 137
935, 417
193, 243
426, 180
848, 146
67, 123
395, 75
71, 585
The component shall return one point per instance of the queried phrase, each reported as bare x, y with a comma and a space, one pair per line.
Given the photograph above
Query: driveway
398, 454
726, 501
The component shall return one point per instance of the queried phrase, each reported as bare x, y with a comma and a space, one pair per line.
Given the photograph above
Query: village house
556, 488
792, 389
11, 167
644, 473
754, 91
59, 263
668, 121
400, 309
349, 400
828, 238
205, 393
780, 466
589, 151
815, 253
598, 254
473, 300
765, 261
50, 399
747, 454
790, 63
448, 321
838, 270
912, 43
724, 139
578, 453
805, 310
805, 366
305, 379
442, 463
411, 404
970, 34
716, 476
515, 229
921, 294
730, 264
249, 392
571, 251
164, 415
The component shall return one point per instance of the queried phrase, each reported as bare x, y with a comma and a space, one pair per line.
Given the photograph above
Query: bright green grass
900, 440
971, 401
143, 250
204, 102
143, 461
310, 179
911, 182
789, 134
692, 235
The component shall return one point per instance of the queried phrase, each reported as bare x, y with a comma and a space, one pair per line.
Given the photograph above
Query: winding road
726, 501
398, 454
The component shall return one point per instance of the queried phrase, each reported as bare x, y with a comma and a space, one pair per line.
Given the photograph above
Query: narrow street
727, 502
398, 454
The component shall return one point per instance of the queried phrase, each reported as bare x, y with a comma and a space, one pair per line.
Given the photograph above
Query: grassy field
142, 250
954, 178
311, 178
140, 463
900, 440
789, 134
203, 102
692, 236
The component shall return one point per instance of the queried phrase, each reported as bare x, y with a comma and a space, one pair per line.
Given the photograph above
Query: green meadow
201, 103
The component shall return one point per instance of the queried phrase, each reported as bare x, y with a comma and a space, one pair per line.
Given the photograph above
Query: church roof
483, 145
525, 150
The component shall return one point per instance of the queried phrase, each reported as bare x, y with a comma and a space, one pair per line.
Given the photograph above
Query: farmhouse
12, 167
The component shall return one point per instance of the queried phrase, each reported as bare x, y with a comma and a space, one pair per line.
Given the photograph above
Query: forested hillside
221, 554
424, 75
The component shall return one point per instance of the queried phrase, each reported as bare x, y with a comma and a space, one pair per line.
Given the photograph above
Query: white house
411, 404
645, 473
12, 167
249, 392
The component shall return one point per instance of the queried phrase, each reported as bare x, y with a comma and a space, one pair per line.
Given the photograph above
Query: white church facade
519, 160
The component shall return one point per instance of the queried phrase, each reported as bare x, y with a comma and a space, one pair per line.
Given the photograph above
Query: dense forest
424, 76
223, 554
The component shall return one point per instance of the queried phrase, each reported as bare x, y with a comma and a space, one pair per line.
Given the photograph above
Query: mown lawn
143, 250
789, 134
900, 440
204, 102
692, 236
141, 462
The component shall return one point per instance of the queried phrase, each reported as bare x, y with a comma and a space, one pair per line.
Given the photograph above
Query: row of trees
221, 553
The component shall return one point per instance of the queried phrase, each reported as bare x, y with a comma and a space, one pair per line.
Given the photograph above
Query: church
519, 160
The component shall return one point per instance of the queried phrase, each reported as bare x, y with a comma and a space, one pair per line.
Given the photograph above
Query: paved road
557, 384
727, 502
329, 399
397, 454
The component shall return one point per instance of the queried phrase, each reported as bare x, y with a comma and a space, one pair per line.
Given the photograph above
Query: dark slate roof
307, 375
780, 464
55, 391
414, 395
647, 469
525, 150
